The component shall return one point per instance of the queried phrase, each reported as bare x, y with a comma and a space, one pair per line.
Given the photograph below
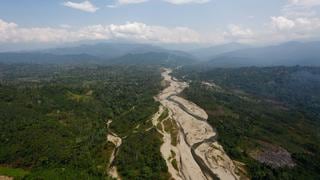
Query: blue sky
201, 16
159, 21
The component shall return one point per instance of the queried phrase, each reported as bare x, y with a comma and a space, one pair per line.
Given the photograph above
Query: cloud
5, 29
237, 33
122, 2
282, 29
297, 15
240, 32
299, 21
126, 2
278, 29
176, 2
300, 8
86, 6
302, 25
298, 11
11, 32
282, 23
143, 32
307, 3
4, 26
179, 2
65, 26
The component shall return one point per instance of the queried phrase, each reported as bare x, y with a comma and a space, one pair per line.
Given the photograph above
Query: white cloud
282, 29
302, 25
176, 2
279, 29
11, 32
282, 23
83, 6
179, 2
126, 2
4, 26
300, 8
308, 25
5, 29
122, 2
143, 32
237, 33
299, 20
308, 3
298, 11
65, 26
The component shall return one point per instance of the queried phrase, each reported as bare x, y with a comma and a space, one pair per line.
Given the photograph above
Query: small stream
117, 141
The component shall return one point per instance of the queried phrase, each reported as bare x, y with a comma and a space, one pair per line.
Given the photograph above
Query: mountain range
286, 54
101, 53
227, 55
203, 54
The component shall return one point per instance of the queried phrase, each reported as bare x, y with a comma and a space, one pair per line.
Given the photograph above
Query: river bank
197, 153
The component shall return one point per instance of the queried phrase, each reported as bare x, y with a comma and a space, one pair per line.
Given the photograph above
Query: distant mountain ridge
210, 52
287, 54
153, 58
102, 53
111, 50
46, 58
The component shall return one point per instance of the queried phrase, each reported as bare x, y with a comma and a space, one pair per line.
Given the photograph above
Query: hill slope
101, 54
211, 52
267, 118
287, 54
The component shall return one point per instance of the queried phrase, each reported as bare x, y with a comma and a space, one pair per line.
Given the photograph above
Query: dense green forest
53, 120
297, 87
256, 110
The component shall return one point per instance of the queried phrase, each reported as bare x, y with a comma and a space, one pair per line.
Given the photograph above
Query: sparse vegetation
13, 172
174, 164
171, 127
164, 115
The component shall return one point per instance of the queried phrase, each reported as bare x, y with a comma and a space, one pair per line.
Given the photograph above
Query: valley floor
191, 152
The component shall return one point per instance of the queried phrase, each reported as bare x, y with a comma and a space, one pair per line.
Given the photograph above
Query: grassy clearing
165, 84
109, 147
13, 172
164, 115
79, 97
173, 154
174, 164
171, 127
173, 160
159, 126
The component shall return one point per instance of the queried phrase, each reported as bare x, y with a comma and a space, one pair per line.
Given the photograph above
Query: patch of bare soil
6, 178
272, 155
